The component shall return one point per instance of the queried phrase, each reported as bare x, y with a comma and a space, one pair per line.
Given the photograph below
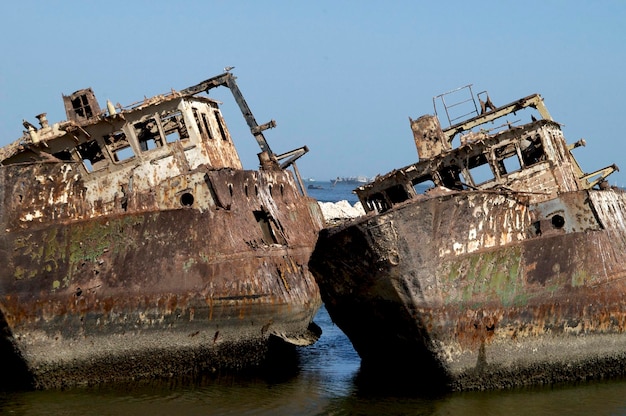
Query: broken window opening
148, 135
451, 177
532, 150
207, 126
81, 106
118, 146
480, 169
507, 160
124, 153
203, 124
174, 127
92, 156
397, 194
422, 184
220, 124
196, 117
64, 155
377, 202
269, 230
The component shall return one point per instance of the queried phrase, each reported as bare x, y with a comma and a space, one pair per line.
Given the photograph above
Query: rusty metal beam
228, 80
534, 101
600, 174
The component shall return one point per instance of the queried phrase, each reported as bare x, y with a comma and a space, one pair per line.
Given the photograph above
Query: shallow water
332, 192
325, 382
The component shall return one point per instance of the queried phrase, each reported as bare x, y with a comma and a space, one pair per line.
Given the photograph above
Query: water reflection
324, 381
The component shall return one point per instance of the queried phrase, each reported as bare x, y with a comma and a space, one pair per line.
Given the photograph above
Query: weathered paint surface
514, 280
169, 259
543, 309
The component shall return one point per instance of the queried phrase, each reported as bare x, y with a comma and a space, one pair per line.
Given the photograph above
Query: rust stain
495, 263
127, 228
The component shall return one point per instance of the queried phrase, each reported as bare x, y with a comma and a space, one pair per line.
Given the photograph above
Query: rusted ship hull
492, 264
504, 308
153, 292
135, 245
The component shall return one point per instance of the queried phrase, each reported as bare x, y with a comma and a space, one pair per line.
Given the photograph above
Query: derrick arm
228, 80
267, 156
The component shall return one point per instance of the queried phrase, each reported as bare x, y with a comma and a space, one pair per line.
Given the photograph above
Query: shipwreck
135, 245
495, 261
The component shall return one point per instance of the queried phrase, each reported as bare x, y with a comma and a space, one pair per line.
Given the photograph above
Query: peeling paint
131, 228
515, 278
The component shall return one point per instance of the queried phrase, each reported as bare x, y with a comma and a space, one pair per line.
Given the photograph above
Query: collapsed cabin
161, 130
533, 158
137, 149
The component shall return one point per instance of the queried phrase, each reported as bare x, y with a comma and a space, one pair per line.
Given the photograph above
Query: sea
322, 379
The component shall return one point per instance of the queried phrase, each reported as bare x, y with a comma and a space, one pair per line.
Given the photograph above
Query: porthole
558, 221
186, 199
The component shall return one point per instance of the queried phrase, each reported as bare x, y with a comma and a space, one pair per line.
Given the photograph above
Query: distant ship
351, 180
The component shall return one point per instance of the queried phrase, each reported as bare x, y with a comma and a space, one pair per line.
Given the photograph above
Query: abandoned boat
494, 261
135, 245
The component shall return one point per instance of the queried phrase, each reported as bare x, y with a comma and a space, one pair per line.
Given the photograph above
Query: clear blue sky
339, 76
